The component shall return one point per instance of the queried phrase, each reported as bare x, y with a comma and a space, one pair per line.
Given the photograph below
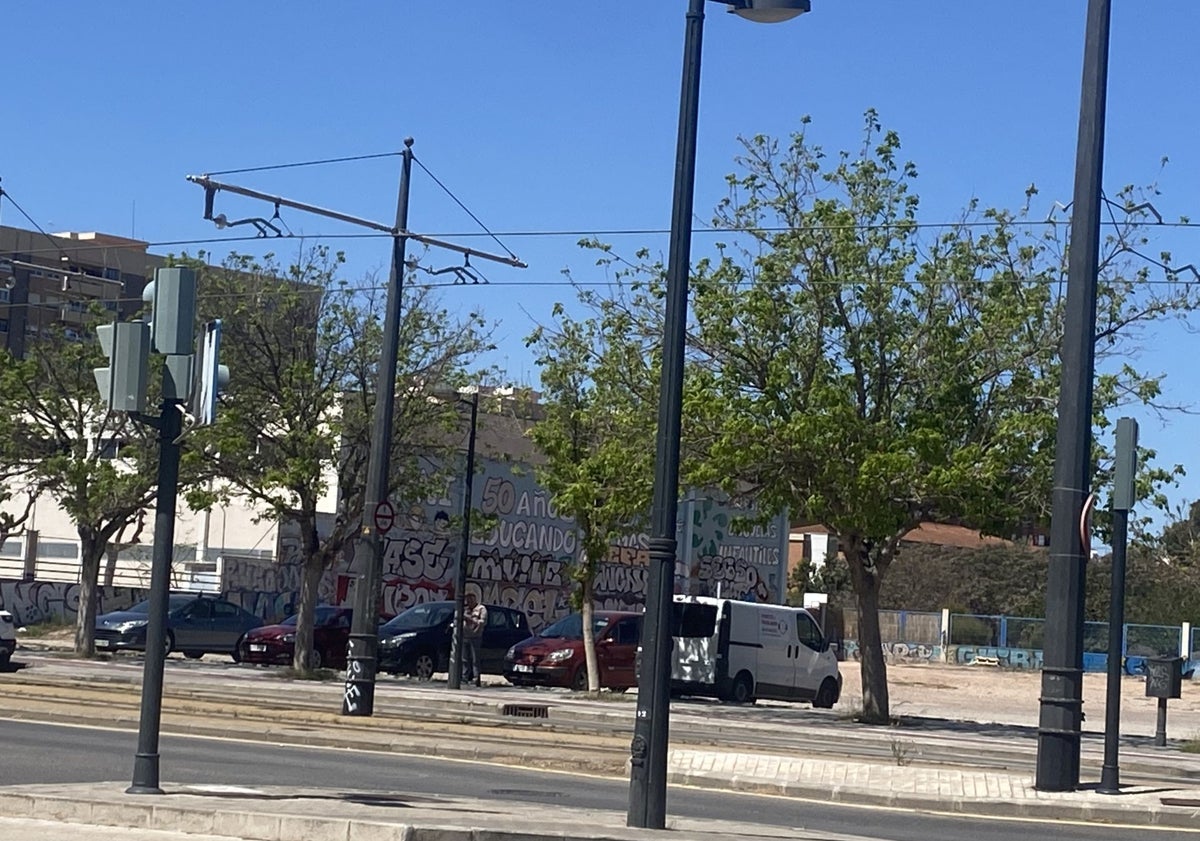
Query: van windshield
689, 619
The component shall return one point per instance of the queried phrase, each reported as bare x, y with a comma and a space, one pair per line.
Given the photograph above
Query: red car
275, 644
555, 656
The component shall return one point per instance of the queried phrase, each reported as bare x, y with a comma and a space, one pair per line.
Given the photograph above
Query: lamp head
770, 11
221, 221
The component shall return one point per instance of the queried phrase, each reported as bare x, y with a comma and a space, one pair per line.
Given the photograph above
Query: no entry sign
385, 517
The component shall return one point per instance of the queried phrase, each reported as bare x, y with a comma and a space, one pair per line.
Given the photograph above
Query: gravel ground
990, 694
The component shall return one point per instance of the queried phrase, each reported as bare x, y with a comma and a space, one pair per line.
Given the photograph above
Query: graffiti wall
32, 602
525, 557
728, 560
898, 652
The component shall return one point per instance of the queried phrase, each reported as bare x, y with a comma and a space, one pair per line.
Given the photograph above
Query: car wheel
193, 655
743, 689
620, 690
315, 660
423, 667
579, 683
236, 654
169, 644
826, 695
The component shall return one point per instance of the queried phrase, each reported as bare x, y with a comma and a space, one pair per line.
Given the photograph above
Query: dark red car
555, 656
275, 644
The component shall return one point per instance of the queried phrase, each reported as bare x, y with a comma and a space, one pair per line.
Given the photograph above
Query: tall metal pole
146, 761
1123, 497
648, 751
464, 554
1061, 713
359, 695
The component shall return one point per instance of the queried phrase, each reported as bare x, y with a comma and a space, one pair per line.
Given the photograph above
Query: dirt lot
990, 694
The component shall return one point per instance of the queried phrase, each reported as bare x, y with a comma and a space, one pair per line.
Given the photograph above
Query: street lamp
1060, 718
460, 573
648, 752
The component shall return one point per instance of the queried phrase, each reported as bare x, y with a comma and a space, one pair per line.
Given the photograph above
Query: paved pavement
903, 779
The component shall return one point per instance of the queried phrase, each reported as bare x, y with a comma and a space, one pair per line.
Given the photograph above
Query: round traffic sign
385, 517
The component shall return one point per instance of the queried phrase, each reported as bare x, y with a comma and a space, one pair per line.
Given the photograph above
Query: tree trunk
589, 636
110, 564
310, 583
90, 551
870, 644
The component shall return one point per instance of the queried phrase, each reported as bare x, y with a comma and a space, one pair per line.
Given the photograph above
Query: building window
112, 274
5, 296
3, 325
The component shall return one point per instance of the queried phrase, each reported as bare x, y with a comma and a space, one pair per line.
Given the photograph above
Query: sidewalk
897, 776
276, 814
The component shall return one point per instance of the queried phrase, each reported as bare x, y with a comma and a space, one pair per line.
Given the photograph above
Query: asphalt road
42, 753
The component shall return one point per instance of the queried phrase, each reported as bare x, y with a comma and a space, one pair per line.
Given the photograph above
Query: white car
8, 637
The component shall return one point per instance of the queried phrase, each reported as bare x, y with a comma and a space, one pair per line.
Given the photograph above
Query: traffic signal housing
122, 384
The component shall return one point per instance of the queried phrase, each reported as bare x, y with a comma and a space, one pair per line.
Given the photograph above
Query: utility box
1164, 677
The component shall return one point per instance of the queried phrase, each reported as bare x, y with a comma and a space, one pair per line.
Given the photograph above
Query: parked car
555, 657
196, 625
8, 637
417, 642
276, 644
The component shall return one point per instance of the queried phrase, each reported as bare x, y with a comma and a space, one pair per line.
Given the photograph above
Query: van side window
808, 632
689, 619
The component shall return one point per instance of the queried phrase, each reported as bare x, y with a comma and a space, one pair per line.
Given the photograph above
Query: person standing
474, 621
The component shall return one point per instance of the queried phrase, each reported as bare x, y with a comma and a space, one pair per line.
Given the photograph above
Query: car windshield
571, 627
325, 615
419, 617
173, 603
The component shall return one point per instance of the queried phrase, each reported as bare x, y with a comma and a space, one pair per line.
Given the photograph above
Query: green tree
303, 349
870, 377
56, 438
596, 434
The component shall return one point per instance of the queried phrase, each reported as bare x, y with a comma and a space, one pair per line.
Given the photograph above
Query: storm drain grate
526, 710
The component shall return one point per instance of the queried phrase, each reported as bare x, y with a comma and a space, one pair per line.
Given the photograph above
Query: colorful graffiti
898, 652
33, 602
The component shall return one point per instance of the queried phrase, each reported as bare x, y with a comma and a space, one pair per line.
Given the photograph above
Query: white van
740, 651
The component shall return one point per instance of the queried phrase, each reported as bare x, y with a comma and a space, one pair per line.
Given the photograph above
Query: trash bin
1164, 677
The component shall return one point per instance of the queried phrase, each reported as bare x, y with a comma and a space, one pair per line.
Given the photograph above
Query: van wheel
579, 683
827, 695
742, 691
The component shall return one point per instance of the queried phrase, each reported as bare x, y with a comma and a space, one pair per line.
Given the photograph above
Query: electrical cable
465, 209
305, 163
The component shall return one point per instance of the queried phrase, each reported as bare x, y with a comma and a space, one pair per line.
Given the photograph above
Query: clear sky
557, 119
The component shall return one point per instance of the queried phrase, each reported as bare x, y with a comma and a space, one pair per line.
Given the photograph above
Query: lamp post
460, 574
648, 751
1060, 718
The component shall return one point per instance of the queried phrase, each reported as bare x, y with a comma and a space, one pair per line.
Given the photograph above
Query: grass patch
45, 629
308, 674
1192, 745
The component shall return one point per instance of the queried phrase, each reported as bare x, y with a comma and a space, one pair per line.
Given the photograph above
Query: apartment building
49, 280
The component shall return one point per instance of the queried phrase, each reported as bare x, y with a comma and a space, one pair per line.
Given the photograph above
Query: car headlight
511, 654
288, 638
560, 655
398, 640
126, 627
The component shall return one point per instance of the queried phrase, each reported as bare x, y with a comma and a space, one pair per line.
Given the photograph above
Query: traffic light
123, 383
211, 375
172, 299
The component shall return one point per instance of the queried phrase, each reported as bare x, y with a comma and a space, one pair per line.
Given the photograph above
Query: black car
196, 625
417, 642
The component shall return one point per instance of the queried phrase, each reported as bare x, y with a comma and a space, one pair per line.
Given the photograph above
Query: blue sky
561, 117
